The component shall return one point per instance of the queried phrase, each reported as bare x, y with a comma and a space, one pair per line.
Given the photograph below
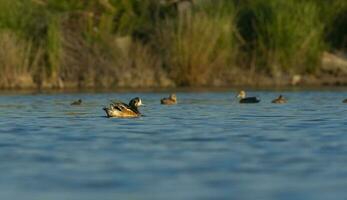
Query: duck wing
125, 109
120, 106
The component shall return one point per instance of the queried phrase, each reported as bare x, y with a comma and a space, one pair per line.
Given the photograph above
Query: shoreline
332, 73
176, 89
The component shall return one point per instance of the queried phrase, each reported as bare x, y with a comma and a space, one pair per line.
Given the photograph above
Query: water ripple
206, 147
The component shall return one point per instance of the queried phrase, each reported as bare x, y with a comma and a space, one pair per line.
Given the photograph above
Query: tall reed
287, 35
14, 61
199, 46
53, 47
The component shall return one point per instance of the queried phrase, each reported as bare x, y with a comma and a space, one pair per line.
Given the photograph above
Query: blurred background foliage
148, 43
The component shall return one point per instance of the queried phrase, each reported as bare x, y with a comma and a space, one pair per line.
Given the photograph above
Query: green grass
288, 35
53, 47
78, 41
199, 47
335, 19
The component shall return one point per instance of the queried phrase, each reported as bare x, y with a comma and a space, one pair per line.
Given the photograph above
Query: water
206, 147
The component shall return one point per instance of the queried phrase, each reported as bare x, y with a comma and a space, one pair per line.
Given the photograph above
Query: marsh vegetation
152, 43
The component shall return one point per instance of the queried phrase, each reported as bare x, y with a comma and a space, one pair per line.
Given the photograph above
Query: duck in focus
76, 103
280, 100
171, 100
122, 110
244, 99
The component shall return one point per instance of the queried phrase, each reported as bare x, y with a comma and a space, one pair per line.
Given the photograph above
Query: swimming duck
279, 100
172, 99
77, 103
244, 99
122, 110
344, 101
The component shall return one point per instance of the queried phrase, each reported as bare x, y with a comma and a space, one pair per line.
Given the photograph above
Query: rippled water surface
206, 147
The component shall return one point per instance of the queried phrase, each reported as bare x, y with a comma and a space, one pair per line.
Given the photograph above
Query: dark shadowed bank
172, 43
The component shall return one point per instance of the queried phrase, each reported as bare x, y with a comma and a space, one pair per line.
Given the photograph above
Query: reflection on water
206, 147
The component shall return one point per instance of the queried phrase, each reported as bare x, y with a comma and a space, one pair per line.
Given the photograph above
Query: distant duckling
279, 100
77, 103
122, 110
344, 101
172, 99
244, 99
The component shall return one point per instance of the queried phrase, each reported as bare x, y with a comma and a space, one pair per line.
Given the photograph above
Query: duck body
76, 103
122, 110
250, 100
344, 101
244, 99
171, 100
279, 100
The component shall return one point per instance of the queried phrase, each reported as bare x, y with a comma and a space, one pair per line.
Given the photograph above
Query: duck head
242, 94
135, 102
173, 97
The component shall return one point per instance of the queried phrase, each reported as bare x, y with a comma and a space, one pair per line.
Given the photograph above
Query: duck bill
140, 103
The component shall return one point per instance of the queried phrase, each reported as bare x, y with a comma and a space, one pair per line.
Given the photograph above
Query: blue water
206, 147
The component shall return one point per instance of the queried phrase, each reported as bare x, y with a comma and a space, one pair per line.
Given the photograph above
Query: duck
244, 99
279, 100
344, 101
77, 103
172, 99
122, 110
